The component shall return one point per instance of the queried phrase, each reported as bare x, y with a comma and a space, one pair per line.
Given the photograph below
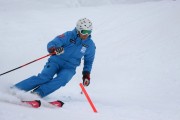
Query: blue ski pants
45, 82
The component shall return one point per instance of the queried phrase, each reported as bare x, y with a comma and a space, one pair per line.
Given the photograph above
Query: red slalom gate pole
27, 63
88, 98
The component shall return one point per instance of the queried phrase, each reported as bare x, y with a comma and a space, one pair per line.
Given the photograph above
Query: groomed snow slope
136, 71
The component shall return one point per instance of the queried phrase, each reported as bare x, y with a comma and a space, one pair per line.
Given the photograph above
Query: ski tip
39, 102
57, 103
62, 103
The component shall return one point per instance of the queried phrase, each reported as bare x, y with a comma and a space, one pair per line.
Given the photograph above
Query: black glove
57, 51
86, 78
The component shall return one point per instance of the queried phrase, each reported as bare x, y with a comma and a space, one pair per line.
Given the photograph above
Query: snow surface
136, 73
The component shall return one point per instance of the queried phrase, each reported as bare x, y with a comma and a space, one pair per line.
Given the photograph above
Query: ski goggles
85, 32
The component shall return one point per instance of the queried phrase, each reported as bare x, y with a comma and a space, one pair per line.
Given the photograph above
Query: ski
33, 103
57, 103
37, 103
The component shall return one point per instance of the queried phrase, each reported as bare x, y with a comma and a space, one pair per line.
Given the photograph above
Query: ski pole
87, 97
27, 63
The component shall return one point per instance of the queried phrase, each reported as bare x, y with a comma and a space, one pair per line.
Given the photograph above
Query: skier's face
83, 37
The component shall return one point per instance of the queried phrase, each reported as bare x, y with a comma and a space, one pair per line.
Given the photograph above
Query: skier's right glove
57, 51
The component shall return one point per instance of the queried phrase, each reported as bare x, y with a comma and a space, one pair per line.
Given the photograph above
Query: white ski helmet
84, 24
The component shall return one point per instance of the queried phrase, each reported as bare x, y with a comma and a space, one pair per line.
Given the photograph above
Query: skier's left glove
86, 78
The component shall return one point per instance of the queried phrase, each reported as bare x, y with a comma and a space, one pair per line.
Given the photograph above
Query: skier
69, 48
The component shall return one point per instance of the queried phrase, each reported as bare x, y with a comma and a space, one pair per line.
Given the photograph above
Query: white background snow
136, 72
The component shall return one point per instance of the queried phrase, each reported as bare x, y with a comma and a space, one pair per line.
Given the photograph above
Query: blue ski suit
63, 66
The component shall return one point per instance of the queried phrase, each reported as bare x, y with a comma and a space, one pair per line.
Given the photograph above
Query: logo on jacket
61, 36
73, 41
83, 49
